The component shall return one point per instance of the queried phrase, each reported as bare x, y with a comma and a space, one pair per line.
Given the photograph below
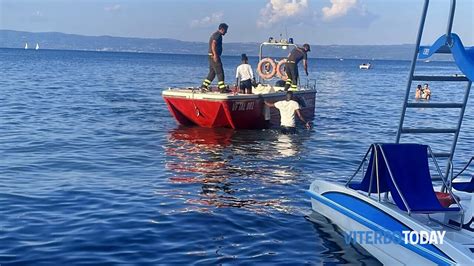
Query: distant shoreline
71, 42
182, 54
62, 41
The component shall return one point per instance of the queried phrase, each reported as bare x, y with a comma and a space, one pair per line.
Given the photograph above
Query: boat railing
464, 168
282, 45
361, 166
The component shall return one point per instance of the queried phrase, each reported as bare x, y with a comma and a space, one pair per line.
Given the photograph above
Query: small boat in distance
364, 66
37, 46
26, 46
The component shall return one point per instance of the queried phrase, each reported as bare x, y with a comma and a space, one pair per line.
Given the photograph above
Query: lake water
94, 169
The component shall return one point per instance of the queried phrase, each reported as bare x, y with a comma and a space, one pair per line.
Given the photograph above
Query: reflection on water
232, 168
285, 145
259, 172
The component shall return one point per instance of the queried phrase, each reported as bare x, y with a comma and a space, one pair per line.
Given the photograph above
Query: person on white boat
296, 55
287, 109
215, 63
419, 92
244, 74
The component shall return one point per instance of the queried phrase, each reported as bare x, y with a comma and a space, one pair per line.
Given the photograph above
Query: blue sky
313, 21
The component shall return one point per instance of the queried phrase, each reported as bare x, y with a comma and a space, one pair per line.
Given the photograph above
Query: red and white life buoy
281, 69
266, 68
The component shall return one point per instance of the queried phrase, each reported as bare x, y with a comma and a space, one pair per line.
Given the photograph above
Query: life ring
266, 68
281, 69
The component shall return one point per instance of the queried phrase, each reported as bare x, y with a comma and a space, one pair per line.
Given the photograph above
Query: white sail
26, 45
37, 46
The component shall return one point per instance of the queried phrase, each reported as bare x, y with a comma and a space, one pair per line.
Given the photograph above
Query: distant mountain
62, 41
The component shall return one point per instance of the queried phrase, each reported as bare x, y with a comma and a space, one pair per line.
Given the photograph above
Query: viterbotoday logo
390, 237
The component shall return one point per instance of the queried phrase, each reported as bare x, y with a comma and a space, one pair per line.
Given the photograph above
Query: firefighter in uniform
215, 63
298, 54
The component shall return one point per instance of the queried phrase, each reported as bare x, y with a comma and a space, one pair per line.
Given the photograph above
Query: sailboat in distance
26, 46
37, 46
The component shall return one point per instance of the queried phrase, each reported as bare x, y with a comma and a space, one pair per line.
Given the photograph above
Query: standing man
288, 108
298, 54
244, 76
215, 63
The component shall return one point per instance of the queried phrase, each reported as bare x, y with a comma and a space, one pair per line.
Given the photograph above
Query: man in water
288, 108
296, 55
215, 63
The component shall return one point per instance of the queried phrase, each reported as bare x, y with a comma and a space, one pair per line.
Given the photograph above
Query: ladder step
441, 154
440, 78
435, 105
428, 130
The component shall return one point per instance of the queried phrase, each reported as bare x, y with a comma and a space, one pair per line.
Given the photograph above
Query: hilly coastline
62, 41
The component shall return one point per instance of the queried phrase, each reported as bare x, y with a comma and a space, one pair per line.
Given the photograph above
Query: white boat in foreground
387, 211
392, 209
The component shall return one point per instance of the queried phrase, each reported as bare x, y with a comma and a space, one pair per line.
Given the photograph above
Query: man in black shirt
215, 63
298, 54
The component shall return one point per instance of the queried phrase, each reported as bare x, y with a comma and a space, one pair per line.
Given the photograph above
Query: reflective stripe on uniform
293, 88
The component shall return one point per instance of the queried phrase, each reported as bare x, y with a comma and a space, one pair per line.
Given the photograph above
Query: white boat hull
354, 211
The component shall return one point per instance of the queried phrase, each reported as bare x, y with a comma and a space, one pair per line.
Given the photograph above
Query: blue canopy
410, 180
464, 57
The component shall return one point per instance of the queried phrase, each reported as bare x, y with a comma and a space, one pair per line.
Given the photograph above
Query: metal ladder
412, 77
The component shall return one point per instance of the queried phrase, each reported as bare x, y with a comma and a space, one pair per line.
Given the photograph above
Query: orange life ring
266, 68
281, 69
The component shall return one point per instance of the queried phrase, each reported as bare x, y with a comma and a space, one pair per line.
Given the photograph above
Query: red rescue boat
242, 111
190, 106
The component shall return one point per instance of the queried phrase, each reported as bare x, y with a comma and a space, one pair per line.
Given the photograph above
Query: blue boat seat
464, 186
411, 181
464, 57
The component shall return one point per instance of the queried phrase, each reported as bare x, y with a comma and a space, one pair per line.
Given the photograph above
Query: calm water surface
94, 170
